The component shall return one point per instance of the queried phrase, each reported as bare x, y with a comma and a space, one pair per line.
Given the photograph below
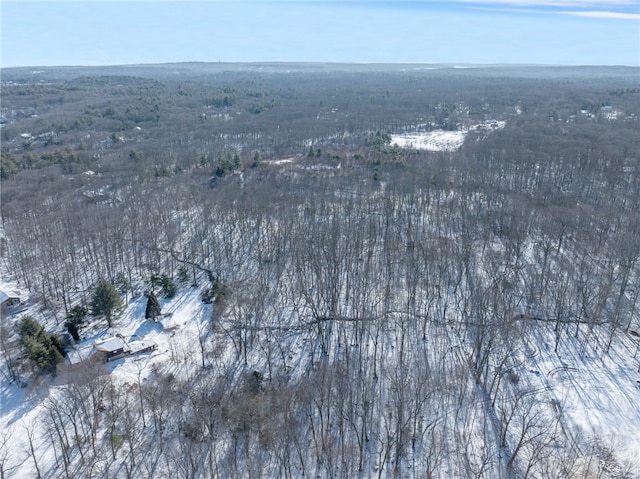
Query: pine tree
44, 349
106, 301
237, 162
75, 321
153, 307
72, 328
168, 286
257, 160
183, 274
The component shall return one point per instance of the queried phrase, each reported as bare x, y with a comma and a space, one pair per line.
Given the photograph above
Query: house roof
137, 346
110, 345
5, 296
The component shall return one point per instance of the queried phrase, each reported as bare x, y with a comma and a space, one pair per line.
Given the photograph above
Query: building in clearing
8, 300
112, 348
116, 347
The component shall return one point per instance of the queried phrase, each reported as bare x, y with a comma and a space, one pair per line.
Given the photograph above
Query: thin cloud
600, 14
604, 9
555, 3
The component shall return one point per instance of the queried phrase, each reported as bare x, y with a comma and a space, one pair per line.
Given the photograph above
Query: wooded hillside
371, 310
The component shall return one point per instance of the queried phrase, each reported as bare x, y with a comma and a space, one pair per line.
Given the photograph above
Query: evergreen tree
44, 349
8, 166
237, 162
168, 286
106, 301
37, 351
153, 309
257, 159
77, 314
155, 280
73, 330
226, 165
29, 327
183, 274
75, 321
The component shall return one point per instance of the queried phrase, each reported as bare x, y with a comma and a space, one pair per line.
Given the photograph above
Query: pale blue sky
570, 32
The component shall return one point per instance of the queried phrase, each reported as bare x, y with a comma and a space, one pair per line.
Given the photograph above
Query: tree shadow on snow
147, 327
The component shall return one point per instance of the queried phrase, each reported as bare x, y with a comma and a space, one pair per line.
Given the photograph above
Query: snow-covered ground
596, 396
22, 408
440, 140
578, 397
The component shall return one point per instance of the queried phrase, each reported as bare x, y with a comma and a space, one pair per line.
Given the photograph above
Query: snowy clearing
440, 140
431, 140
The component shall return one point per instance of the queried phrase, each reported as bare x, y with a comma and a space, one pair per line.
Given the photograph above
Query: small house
112, 348
117, 347
8, 300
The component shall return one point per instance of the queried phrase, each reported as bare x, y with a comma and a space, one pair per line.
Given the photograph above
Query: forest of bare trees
377, 311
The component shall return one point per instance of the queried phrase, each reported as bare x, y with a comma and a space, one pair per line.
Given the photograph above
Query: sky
97, 32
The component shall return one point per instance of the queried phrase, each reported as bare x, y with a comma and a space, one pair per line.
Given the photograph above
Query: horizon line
324, 62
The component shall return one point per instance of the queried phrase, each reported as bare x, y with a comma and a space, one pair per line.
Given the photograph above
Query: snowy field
440, 140
431, 140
